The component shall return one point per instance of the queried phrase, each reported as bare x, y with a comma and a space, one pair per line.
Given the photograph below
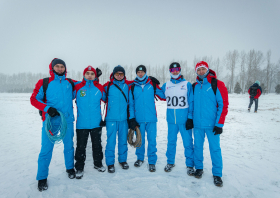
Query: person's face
59, 68
175, 72
140, 74
201, 71
90, 75
119, 75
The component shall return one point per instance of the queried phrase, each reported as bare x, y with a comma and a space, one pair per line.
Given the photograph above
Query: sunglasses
119, 74
175, 69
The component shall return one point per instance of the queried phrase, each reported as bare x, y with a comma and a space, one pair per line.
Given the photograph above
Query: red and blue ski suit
59, 95
179, 98
116, 119
142, 107
89, 94
210, 110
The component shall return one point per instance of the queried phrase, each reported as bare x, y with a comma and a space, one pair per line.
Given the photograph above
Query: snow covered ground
250, 149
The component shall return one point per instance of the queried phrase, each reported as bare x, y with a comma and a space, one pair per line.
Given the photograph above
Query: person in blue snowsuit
89, 94
179, 98
116, 118
142, 113
59, 96
210, 110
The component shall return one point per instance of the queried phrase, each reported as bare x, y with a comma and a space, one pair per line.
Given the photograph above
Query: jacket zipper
175, 109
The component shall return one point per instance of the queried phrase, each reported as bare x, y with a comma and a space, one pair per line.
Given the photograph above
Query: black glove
53, 112
218, 130
153, 79
98, 72
189, 124
102, 123
133, 124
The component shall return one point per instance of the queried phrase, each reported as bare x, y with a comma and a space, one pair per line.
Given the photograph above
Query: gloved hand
153, 79
189, 124
98, 72
53, 112
218, 130
133, 124
102, 123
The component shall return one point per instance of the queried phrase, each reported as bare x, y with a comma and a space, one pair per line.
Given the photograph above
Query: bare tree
231, 61
268, 74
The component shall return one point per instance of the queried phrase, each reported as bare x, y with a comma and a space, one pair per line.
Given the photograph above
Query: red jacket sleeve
37, 96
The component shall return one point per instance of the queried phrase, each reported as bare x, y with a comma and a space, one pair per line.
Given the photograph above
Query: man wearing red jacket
255, 91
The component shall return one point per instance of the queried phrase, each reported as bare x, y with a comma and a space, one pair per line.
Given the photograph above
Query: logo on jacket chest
184, 87
83, 92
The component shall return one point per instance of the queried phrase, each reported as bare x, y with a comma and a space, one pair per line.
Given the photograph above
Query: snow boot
168, 167
79, 174
152, 168
190, 171
255, 111
124, 165
111, 168
100, 168
198, 173
42, 185
218, 181
248, 110
138, 163
71, 173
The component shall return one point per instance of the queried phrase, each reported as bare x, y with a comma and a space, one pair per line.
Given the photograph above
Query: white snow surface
250, 147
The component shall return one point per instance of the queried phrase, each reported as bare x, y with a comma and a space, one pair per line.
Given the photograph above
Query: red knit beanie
89, 68
201, 64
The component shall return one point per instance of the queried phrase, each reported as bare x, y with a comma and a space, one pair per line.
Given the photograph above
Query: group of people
193, 109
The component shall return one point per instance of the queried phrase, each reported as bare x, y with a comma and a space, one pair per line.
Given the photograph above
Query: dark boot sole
111, 171
190, 174
124, 167
152, 171
218, 185
100, 170
79, 177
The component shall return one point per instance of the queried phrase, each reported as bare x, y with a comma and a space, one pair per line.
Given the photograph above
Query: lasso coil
138, 141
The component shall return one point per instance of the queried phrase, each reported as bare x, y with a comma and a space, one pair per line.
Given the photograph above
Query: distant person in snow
142, 114
89, 94
254, 91
210, 110
179, 98
116, 117
58, 97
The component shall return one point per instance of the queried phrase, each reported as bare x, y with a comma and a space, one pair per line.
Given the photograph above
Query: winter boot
42, 185
71, 173
79, 174
138, 163
100, 168
168, 167
190, 171
248, 109
255, 111
111, 168
152, 168
198, 173
218, 181
124, 165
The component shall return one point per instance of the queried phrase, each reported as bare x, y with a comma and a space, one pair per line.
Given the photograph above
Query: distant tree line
239, 70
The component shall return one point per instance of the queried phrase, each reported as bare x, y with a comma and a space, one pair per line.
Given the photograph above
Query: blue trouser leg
47, 148
151, 128
172, 143
122, 141
140, 152
188, 144
199, 136
111, 128
69, 147
215, 152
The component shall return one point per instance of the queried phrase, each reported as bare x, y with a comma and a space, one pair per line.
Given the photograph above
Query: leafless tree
231, 59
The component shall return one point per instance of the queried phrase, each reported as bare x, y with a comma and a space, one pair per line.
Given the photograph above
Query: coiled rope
138, 142
57, 134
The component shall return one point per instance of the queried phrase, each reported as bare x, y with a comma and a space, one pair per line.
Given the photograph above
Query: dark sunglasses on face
119, 74
175, 69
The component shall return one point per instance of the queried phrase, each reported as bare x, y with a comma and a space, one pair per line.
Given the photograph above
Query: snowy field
250, 148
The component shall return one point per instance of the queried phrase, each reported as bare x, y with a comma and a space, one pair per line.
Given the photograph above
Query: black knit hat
118, 69
141, 68
58, 61
174, 65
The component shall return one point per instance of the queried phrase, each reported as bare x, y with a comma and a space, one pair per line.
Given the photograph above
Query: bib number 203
175, 101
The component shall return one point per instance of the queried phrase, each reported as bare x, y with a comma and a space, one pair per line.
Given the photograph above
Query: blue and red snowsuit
59, 95
89, 94
116, 119
179, 98
142, 107
210, 110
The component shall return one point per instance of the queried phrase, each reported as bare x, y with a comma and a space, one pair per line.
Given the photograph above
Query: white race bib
177, 95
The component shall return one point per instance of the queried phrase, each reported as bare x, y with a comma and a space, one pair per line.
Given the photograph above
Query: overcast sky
125, 32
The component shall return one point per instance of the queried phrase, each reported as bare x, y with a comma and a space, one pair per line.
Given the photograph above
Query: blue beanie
118, 69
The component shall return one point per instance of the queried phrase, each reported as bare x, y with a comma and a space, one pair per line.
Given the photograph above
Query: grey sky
128, 32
